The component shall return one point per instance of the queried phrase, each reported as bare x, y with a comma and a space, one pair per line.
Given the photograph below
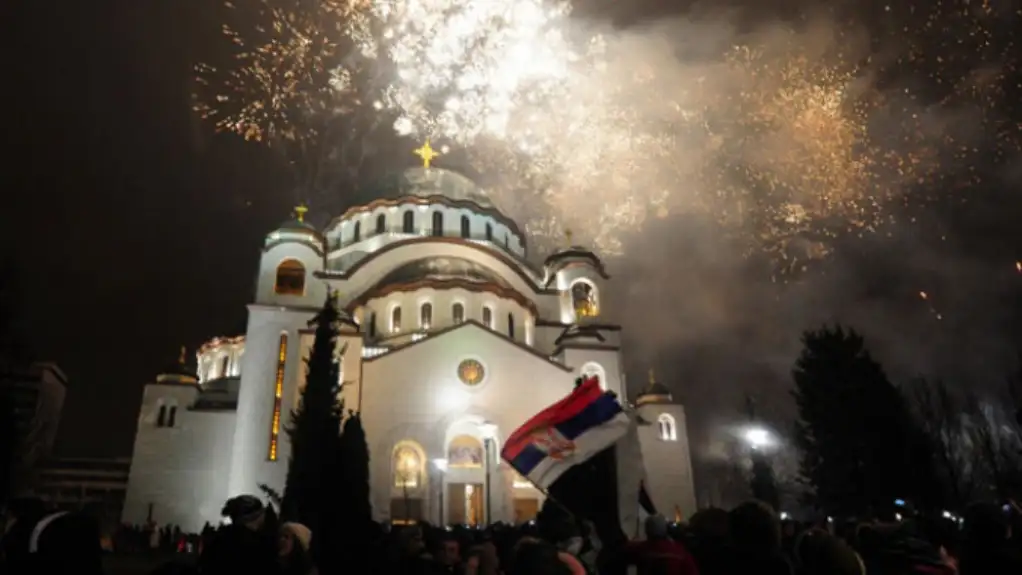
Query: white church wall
669, 480
315, 289
251, 464
605, 363
415, 394
178, 473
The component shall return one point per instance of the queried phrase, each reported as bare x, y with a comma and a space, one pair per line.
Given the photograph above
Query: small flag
566, 434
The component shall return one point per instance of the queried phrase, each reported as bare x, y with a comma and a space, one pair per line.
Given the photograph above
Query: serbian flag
566, 434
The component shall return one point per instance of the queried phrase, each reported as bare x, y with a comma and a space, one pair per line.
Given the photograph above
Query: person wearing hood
293, 543
246, 546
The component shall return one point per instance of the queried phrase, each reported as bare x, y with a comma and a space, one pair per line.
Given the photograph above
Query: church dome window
408, 222
466, 227
511, 325
426, 315
488, 317
489, 233
356, 235
381, 224
584, 299
395, 319
290, 278
438, 223
667, 427
458, 313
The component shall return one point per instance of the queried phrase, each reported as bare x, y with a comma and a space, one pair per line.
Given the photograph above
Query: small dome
441, 269
178, 372
655, 392
295, 225
427, 182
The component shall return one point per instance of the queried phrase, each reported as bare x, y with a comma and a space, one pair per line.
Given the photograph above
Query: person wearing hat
246, 545
293, 549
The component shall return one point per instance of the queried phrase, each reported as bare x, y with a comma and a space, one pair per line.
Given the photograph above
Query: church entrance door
465, 503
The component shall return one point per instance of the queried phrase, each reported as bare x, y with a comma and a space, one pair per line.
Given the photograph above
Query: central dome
441, 269
427, 182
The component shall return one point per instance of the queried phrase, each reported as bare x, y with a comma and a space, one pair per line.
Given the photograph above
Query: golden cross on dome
181, 359
427, 153
300, 211
652, 376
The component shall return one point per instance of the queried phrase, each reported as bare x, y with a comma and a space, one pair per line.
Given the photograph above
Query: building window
172, 417
507, 241
593, 369
489, 233
395, 319
426, 315
161, 417
408, 225
407, 466
225, 365
381, 224
438, 223
466, 228
278, 393
668, 430
290, 278
372, 324
357, 234
458, 312
584, 299
488, 317
465, 452
511, 325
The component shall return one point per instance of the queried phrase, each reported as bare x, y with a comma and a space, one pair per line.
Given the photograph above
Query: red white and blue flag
566, 434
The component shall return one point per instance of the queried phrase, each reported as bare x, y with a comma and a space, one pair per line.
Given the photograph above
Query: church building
452, 340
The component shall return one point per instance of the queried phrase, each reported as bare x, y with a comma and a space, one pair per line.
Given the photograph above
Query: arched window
425, 315
466, 227
172, 417
668, 429
381, 224
584, 299
511, 325
458, 312
408, 462
372, 324
408, 222
356, 235
290, 278
395, 319
278, 395
507, 241
489, 233
488, 317
593, 369
225, 364
438, 223
161, 417
464, 452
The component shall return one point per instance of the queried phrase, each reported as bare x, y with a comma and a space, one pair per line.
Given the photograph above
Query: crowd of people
750, 539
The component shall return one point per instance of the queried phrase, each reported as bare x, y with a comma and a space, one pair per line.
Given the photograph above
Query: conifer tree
854, 429
763, 481
315, 426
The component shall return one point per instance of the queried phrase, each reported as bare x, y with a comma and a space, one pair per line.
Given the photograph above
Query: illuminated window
438, 223
372, 324
668, 431
357, 234
584, 300
426, 315
466, 228
511, 325
225, 365
507, 241
290, 278
592, 369
488, 317
381, 224
489, 233
458, 312
465, 452
395, 319
408, 224
172, 417
407, 466
278, 393
161, 417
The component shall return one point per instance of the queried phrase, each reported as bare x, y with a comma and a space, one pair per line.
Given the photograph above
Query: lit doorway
465, 503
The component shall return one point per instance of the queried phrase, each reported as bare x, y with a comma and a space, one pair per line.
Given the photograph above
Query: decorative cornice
477, 287
514, 265
318, 248
425, 201
281, 307
590, 346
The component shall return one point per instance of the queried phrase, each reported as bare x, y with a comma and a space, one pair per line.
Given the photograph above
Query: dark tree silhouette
8, 447
859, 448
763, 482
315, 425
944, 419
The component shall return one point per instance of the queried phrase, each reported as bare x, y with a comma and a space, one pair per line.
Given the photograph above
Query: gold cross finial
300, 211
181, 358
427, 153
652, 376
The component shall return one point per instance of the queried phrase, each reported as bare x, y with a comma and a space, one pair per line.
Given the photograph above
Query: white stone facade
458, 337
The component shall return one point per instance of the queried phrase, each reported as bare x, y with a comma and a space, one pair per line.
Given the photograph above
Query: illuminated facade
451, 339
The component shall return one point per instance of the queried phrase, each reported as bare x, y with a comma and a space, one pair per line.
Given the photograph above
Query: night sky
131, 232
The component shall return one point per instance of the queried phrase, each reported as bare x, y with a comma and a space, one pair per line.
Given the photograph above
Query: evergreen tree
315, 426
763, 482
854, 430
345, 531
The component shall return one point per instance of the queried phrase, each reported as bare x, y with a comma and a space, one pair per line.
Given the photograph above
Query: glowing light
427, 153
441, 464
757, 437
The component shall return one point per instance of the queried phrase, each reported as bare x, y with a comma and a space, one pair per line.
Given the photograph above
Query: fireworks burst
786, 141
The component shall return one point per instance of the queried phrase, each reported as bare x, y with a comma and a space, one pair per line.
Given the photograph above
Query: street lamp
441, 466
757, 437
489, 432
